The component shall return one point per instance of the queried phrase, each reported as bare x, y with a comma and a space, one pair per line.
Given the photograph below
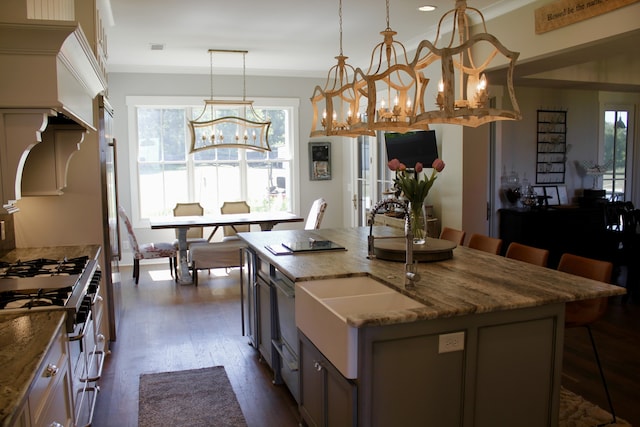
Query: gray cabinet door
264, 320
249, 297
326, 397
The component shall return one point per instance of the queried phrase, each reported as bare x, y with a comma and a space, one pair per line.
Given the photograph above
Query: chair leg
604, 381
194, 272
173, 267
136, 270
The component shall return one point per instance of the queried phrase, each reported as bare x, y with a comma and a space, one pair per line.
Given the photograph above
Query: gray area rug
197, 397
575, 411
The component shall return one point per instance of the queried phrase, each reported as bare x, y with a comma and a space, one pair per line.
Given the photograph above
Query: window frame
133, 102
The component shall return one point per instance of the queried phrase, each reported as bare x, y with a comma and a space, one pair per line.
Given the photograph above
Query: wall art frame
319, 161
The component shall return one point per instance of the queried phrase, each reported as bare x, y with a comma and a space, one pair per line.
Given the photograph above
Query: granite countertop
52, 252
25, 339
471, 282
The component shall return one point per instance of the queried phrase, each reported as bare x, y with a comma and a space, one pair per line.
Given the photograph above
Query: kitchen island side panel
509, 369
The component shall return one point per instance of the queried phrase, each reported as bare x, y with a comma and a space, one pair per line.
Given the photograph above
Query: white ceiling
283, 37
301, 38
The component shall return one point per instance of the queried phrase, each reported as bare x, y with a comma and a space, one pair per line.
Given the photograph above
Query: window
615, 154
167, 173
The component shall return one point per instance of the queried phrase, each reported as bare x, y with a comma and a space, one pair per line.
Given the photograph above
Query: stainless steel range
72, 285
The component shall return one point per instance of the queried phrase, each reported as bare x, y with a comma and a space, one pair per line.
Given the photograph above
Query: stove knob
81, 315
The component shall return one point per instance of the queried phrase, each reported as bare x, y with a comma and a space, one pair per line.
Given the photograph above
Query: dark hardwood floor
617, 338
168, 327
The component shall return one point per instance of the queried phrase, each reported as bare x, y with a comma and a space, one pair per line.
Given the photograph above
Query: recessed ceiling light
427, 8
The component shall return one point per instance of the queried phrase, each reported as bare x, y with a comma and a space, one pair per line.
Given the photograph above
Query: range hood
49, 78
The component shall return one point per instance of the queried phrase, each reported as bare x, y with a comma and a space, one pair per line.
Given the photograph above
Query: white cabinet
50, 398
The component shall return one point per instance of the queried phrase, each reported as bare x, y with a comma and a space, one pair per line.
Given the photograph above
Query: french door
372, 176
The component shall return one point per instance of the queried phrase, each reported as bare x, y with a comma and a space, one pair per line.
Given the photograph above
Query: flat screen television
412, 147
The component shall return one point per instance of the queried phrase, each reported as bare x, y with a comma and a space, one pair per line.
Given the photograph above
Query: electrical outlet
125, 246
451, 342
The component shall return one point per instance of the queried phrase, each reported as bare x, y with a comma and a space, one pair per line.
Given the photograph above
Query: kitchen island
509, 314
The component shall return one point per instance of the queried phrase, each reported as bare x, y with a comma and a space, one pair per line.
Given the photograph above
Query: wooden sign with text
566, 12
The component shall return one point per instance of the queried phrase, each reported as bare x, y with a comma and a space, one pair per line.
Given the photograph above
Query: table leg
184, 276
266, 226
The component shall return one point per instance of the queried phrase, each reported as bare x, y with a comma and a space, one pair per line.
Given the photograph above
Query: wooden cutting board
394, 249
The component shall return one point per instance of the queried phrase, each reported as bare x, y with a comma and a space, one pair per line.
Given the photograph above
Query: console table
578, 230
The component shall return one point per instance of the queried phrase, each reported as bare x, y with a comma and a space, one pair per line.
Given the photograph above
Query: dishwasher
285, 341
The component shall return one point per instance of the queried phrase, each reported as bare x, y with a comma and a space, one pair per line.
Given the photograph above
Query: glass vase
418, 223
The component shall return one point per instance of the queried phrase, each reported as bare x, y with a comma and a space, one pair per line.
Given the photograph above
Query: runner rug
197, 397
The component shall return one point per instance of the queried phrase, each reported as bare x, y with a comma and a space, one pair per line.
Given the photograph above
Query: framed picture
320, 161
551, 192
562, 195
539, 190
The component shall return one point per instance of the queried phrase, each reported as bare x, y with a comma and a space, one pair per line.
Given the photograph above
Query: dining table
265, 220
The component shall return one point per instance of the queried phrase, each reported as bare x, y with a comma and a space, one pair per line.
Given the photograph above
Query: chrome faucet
411, 275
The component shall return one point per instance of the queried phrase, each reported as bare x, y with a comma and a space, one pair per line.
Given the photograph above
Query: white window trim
133, 102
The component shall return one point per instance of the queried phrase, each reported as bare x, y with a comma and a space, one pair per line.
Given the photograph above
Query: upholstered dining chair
316, 213
585, 312
485, 243
234, 208
205, 256
527, 254
452, 235
194, 234
148, 250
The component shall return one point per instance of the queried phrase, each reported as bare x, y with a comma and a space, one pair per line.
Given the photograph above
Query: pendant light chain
211, 72
244, 76
340, 17
388, 27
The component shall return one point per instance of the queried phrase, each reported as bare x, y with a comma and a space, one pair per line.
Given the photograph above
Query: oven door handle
81, 334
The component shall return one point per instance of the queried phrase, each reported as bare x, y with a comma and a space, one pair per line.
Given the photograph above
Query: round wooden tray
394, 249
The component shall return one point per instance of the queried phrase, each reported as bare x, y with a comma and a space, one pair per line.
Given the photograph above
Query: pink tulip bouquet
413, 188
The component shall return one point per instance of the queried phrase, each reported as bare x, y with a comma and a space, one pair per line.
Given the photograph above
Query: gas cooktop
43, 267
39, 282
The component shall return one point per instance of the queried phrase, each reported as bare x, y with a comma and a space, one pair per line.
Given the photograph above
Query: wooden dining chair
148, 250
485, 243
528, 254
453, 235
585, 312
316, 213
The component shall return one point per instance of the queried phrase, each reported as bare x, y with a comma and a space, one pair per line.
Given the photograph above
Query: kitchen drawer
50, 398
56, 357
